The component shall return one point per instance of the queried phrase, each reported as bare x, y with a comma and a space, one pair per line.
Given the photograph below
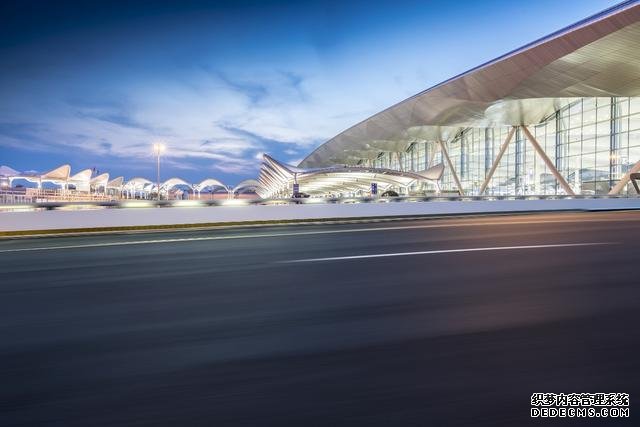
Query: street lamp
158, 149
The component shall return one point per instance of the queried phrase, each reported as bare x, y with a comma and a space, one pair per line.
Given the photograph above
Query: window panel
589, 146
603, 143
603, 129
634, 154
588, 104
622, 106
589, 131
589, 117
575, 135
604, 114
587, 174
623, 124
575, 149
634, 122
634, 105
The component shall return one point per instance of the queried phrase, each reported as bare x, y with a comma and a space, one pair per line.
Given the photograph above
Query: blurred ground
213, 328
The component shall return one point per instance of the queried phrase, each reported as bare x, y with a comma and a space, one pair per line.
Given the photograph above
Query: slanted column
496, 162
625, 179
563, 183
453, 170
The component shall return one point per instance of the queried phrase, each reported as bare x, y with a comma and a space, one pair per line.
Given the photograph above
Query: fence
30, 203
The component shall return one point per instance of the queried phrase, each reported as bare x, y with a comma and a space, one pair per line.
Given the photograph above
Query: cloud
218, 88
237, 167
254, 91
211, 118
233, 146
120, 119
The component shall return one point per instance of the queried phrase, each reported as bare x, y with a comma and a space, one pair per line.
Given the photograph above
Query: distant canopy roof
84, 180
276, 176
116, 183
173, 182
596, 57
60, 173
247, 185
100, 180
209, 183
137, 183
7, 171
83, 176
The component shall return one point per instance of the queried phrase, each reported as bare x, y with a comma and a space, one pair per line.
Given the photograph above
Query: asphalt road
423, 322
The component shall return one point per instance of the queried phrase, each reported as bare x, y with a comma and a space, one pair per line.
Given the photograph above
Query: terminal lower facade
592, 143
558, 116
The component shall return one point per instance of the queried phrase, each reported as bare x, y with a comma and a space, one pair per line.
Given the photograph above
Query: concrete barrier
136, 217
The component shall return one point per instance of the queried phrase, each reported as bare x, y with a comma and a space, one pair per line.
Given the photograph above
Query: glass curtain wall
592, 142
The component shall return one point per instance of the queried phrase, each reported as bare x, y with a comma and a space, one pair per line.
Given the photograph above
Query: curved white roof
101, 179
247, 184
8, 172
82, 176
137, 183
172, 182
277, 177
61, 173
116, 182
598, 56
209, 182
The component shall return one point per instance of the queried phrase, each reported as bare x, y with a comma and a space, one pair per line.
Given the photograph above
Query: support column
494, 166
624, 180
563, 183
453, 171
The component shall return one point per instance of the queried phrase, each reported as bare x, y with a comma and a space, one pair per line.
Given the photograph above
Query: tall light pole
158, 149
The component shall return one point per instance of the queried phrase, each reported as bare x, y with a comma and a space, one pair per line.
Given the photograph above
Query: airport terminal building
560, 115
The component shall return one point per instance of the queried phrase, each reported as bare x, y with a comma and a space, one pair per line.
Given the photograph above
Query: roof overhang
596, 57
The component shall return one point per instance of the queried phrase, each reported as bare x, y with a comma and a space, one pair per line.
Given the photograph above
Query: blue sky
96, 83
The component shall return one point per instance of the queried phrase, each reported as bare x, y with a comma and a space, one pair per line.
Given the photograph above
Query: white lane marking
308, 233
447, 251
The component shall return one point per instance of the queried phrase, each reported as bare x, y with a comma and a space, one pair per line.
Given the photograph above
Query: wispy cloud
254, 91
209, 121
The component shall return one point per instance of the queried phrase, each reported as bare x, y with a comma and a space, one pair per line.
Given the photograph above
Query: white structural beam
494, 166
563, 183
453, 171
625, 179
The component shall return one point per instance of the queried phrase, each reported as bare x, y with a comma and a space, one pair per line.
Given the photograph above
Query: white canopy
8, 172
172, 182
277, 178
59, 174
100, 181
209, 183
137, 183
247, 184
116, 183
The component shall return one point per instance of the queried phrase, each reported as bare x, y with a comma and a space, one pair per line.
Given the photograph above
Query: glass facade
592, 143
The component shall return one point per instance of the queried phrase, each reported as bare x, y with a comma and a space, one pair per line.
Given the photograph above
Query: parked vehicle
300, 195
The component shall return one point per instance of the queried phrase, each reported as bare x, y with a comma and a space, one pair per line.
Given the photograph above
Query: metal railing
132, 203
34, 195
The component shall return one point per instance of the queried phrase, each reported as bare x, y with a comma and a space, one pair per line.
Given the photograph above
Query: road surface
422, 322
